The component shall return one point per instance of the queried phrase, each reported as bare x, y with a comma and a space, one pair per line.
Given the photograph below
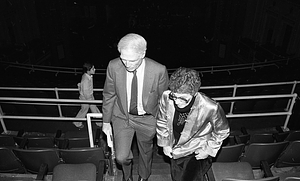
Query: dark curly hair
185, 80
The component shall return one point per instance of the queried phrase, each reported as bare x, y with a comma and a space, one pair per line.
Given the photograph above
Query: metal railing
234, 88
58, 101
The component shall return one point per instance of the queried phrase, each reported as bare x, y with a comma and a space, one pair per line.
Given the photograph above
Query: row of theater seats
241, 154
45, 155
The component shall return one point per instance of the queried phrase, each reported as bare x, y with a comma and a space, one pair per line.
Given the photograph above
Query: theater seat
95, 156
256, 152
230, 153
72, 172
235, 171
290, 156
33, 159
9, 163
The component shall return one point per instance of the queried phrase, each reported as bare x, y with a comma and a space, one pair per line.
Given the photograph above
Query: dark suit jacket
114, 92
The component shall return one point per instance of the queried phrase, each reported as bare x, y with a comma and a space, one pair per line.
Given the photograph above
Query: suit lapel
148, 81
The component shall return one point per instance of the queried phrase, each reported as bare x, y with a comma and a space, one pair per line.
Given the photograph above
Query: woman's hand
200, 154
168, 151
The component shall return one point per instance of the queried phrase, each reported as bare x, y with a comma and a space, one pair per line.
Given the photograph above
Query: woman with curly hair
190, 127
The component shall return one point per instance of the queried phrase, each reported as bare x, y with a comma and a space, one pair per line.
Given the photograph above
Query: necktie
134, 90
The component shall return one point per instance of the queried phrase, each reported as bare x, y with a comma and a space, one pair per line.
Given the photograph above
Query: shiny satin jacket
205, 129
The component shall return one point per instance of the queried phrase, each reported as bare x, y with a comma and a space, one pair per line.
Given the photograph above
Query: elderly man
133, 86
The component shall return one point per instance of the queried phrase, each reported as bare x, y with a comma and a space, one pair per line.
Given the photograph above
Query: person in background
133, 86
86, 93
190, 127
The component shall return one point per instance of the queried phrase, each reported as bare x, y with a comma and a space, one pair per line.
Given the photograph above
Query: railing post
233, 95
89, 125
112, 168
90, 131
58, 105
292, 92
2, 121
290, 112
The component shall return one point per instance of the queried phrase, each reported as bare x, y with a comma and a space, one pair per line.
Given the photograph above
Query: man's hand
168, 151
106, 128
200, 154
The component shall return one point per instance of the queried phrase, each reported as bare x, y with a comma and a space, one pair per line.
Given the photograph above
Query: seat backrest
230, 153
244, 138
237, 170
230, 140
7, 141
69, 143
9, 163
78, 142
293, 136
256, 152
262, 138
33, 158
35, 142
82, 155
290, 156
86, 155
40, 142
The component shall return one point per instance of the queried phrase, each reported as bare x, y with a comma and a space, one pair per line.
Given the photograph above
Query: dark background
190, 33
179, 32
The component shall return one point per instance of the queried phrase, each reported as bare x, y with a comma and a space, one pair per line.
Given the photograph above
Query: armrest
110, 163
279, 129
58, 134
101, 168
97, 137
266, 168
61, 143
20, 133
42, 171
23, 143
237, 139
